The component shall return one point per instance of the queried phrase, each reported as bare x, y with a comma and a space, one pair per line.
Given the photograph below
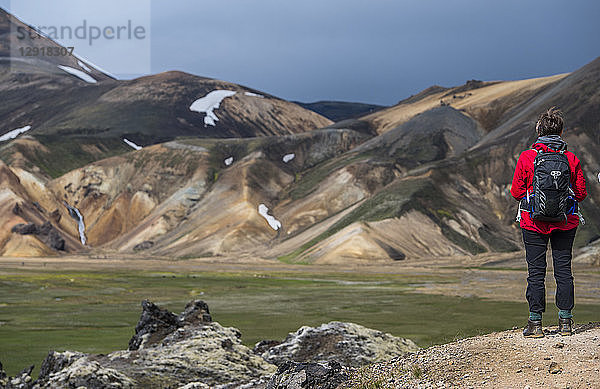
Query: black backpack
551, 187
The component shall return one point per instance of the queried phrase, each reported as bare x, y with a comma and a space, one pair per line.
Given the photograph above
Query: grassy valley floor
92, 305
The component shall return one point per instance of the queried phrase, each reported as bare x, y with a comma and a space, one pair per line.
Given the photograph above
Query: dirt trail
497, 360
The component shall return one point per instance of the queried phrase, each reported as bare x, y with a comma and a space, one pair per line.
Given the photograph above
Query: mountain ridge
439, 162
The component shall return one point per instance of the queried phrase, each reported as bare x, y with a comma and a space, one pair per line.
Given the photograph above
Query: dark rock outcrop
3, 377
195, 313
190, 351
156, 323
50, 236
350, 344
22, 380
17, 209
76, 370
55, 215
145, 245
265, 345
294, 375
46, 233
25, 229
56, 362
169, 351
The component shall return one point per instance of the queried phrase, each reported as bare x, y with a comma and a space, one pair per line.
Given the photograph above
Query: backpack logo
555, 174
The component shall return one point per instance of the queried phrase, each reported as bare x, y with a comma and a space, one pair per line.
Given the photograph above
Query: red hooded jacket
523, 181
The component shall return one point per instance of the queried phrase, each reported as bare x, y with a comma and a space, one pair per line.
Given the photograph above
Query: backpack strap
581, 219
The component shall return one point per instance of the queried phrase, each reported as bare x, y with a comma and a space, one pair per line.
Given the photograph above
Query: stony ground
497, 360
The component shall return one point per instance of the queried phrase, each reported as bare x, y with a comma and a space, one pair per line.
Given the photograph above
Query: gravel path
497, 360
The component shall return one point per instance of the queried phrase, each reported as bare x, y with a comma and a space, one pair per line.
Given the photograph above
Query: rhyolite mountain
79, 114
428, 177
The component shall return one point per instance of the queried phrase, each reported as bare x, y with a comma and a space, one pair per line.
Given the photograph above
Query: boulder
349, 344
78, 370
294, 375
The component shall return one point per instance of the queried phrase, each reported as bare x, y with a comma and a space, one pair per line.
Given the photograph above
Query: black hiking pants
562, 252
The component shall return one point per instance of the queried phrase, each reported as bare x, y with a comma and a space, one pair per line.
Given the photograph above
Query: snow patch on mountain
98, 68
130, 143
263, 210
83, 66
14, 133
288, 157
228, 161
253, 94
78, 73
209, 103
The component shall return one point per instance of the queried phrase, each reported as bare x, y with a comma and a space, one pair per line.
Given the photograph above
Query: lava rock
17, 209
154, 325
265, 345
38, 207
76, 370
3, 377
45, 228
25, 229
187, 351
50, 236
56, 216
46, 233
145, 245
56, 362
195, 385
350, 344
54, 240
196, 313
294, 375
22, 380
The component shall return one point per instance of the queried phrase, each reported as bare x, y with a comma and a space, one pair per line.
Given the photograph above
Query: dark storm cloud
374, 51
371, 50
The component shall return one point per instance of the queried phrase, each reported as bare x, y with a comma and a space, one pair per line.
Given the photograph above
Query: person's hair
550, 122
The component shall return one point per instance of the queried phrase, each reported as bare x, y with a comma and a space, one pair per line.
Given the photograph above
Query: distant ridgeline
184, 166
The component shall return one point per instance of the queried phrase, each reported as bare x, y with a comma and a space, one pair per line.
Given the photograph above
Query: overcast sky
376, 51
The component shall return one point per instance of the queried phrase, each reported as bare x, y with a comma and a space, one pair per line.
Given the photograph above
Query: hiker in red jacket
543, 219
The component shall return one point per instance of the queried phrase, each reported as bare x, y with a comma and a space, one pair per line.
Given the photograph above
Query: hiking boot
533, 329
565, 326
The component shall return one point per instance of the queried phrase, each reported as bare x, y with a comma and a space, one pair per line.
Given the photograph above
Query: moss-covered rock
188, 350
346, 343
